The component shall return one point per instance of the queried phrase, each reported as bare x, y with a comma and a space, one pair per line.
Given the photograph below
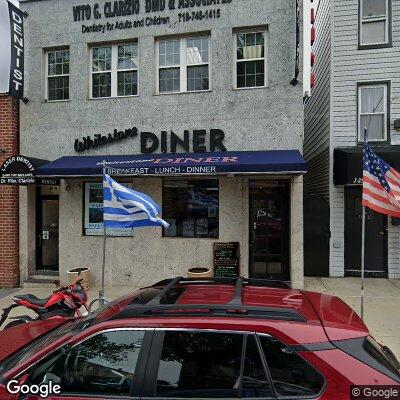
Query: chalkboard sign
226, 260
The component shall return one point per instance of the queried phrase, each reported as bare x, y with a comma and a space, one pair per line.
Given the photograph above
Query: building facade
357, 58
163, 82
9, 197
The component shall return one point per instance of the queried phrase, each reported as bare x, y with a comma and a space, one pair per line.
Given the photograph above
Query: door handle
40, 240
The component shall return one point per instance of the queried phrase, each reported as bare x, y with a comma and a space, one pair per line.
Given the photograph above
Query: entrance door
47, 229
269, 229
375, 237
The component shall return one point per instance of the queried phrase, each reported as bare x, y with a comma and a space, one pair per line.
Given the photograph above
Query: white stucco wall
148, 256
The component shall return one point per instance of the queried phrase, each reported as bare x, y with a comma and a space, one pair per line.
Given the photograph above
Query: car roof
240, 301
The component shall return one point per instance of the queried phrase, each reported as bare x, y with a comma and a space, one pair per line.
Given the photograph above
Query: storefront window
191, 208
93, 219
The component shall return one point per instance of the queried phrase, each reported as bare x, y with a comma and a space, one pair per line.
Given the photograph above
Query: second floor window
57, 80
374, 24
114, 70
183, 65
372, 110
250, 60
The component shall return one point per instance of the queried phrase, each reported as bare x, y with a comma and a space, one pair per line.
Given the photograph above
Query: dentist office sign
11, 50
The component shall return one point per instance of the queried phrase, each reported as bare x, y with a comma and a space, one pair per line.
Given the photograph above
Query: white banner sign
11, 50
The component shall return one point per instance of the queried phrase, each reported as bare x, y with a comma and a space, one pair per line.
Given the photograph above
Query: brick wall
9, 232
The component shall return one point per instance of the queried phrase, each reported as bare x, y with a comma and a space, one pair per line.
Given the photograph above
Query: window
102, 365
291, 375
372, 110
368, 351
211, 365
114, 70
374, 24
57, 80
191, 208
93, 218
250, 60
183, 65
255, 381
202, 365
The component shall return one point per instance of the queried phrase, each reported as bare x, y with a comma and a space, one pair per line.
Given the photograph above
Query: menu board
227, 260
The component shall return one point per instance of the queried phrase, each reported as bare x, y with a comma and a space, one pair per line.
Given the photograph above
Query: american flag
381, 185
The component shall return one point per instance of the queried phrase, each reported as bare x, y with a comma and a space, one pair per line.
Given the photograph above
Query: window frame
85, 200
183, 64
114, 69
150, 383
258, 335
141, 363
47, 76
264, 31
386, 113
190, 179
388, 31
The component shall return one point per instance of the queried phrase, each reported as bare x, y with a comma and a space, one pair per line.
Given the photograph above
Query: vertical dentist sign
11, 50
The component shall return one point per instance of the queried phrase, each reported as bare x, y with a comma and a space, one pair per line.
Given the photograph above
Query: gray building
357, 50
191, 102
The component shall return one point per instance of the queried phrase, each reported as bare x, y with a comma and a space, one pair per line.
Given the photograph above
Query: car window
255, 381
102, 364
368, 351
290, 373
382, 355
200, 365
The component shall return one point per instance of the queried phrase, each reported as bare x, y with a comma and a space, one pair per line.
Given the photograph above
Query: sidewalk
382, 302
381, 307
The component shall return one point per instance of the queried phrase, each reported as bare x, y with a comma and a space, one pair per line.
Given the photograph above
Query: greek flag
126, 208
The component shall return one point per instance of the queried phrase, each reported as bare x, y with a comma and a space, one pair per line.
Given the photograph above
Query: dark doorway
47, 225
269, 229
316, 236
375, 237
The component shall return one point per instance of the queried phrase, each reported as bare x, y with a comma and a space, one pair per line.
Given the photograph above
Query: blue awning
237, 162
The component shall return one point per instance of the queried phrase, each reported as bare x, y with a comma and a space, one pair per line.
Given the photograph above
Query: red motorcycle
64, 302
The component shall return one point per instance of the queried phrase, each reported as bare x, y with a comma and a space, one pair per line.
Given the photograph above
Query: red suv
205, 339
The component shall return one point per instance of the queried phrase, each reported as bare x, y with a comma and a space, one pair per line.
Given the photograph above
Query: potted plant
199, 272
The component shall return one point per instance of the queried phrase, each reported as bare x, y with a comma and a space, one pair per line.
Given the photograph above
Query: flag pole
363, 244
103, 267
362, 261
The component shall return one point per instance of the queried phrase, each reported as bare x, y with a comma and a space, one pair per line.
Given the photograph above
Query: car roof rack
228, 281
233, 308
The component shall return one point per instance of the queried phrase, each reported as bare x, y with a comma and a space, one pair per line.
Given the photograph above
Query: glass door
269, 229
47, 230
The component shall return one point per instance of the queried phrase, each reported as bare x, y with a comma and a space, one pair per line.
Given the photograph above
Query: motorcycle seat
32, 299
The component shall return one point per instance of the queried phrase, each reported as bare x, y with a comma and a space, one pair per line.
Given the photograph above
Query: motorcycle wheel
13, 323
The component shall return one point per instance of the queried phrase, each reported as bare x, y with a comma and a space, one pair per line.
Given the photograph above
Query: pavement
382, 302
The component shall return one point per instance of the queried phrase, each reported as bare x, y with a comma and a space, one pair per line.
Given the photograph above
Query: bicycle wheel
96, 303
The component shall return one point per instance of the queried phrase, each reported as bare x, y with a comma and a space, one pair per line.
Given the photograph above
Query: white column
27, 231
296, 233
